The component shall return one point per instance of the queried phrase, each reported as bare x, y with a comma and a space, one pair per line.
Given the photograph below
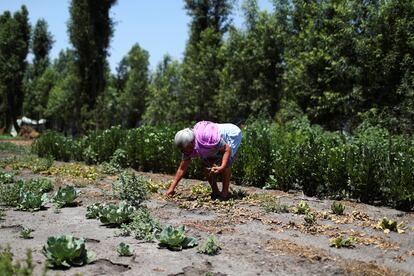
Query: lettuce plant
116, 214
30, 201
302, 208
124, 250
175, 238
67, 251
337, 208
342, 242
210, 246
390, 225
310, 218
65, 196
93, 211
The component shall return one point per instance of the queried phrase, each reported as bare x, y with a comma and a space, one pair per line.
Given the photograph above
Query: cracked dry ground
254, 242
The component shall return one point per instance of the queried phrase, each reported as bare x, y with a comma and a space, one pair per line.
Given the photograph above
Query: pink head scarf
207, 135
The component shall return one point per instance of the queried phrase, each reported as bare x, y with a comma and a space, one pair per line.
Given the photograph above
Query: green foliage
6, 177
30, 201
53, 144
9, 267
175, 238
271, 204
310, 218
90, 39
66, 251
339, 242
132, 188
116, 215
13, 148
65, 196
124, 250
337, 208
25, 233
10, 194
93, 211
143, 226
302, 208
390, 225
210, 247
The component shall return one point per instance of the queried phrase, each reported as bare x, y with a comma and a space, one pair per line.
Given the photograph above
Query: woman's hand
170, 192
217, 169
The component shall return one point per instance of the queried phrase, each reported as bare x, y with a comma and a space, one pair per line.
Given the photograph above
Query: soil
254, 242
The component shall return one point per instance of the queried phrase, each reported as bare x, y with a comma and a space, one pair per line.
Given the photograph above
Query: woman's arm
224, 161
178, 175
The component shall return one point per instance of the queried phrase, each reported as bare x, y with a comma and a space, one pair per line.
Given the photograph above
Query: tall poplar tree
202, 62
90, 32
14, 47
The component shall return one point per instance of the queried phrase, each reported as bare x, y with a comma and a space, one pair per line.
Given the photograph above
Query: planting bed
253, 241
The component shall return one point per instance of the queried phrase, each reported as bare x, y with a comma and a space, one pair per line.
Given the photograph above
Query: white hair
183, 138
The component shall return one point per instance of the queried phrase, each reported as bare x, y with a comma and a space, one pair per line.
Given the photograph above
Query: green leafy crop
93, 211
302, 208
30, 201
337, 208
175, 238
66, 251
65, 196
339, 242
143, 226
112, 214
390, 225
210, 246
124, 250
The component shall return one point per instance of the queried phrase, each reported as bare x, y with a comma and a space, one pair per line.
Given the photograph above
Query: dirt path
253, 242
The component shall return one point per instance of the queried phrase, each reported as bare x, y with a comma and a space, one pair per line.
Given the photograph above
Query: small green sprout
124, 250
210, 246
337, 208
26, 233
339, 242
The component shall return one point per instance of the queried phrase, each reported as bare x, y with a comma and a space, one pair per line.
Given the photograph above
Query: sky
158, 26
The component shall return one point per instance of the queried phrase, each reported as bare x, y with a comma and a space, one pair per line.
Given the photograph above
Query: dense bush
372, 165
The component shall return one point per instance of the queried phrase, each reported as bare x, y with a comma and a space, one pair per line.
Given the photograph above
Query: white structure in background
37, 125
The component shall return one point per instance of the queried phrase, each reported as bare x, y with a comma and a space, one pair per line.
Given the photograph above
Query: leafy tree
90, 30
202, 62
164, 103
39, 81
251, 82
14, 47
132, 99
62, 96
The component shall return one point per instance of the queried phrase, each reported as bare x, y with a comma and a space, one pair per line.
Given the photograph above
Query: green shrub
132, 188
53, 144
30, 201
115, 215
143, 226
101, 145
